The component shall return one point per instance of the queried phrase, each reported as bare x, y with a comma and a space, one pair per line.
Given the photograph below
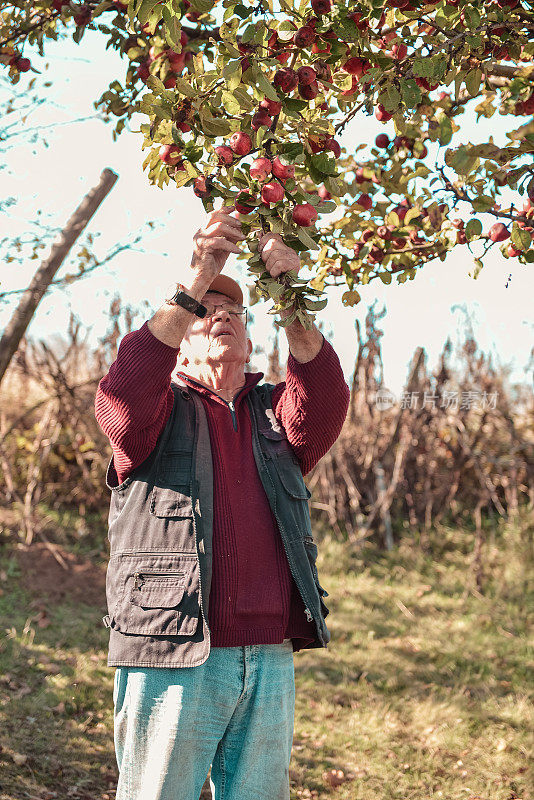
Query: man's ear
249, 348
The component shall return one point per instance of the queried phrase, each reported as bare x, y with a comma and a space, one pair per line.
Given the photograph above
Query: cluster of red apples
271, 174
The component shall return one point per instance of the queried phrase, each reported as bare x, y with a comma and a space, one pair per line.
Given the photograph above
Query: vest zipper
139, 575
309, 615
232, 411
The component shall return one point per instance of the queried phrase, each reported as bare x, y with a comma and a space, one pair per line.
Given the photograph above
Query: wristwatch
180, 298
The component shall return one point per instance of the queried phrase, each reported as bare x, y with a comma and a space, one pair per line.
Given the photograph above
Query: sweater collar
251, 379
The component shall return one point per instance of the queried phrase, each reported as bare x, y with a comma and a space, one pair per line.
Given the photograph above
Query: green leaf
230, 103
144, 10
248, 33
411, 214
445, 131
411, 93
472, 15
306, 239
244, 99
294, 105
185, 88
275, 289
326, 207
473, 229
520, 238
316, 305
324, 163
154, 83
473, 79
483, 203
263, 84
215, 126
204, 6
390, 98
478, 266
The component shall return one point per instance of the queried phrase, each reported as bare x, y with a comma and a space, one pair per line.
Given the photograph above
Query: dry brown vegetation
460, 448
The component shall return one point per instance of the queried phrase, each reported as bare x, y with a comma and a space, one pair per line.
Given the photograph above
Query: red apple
334, 147
321, 7
304, 37
286, 79
306, 75
320, 47
241, 143
225, 155
200, 187
323, 193
23, 64
498, 232
82, 15
261, 119
272, 192
381, 114
365, 201
142, 71
304, 215
382, 141
356, 66
272, 107
309, 91
170, 154
282, 171
260, 169
245, 202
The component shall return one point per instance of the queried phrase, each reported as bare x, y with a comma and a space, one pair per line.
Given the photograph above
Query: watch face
170, 290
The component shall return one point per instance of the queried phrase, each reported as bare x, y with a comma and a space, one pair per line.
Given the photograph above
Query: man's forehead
217, 294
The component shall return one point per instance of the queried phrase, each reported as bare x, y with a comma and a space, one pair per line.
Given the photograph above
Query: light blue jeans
234, 712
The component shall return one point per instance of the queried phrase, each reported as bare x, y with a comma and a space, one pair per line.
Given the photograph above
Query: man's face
217, 338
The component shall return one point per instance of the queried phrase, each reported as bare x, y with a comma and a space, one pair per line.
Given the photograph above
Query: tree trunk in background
23, 314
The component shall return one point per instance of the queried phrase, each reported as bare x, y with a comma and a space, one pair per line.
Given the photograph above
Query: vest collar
251, 380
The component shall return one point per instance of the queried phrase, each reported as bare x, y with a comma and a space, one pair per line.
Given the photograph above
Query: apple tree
246, 100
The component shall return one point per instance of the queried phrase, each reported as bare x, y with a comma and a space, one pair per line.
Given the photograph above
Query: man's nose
221, 312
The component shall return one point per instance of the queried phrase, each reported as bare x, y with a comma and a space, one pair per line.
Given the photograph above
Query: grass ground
425, 690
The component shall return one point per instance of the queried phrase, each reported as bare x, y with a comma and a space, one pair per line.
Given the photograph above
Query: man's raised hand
277, 256
213, 243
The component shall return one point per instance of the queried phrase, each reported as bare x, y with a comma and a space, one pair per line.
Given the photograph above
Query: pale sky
422, 312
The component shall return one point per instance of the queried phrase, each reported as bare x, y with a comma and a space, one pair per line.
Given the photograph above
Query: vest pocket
291, 477
311, 552
171, 495
159, 597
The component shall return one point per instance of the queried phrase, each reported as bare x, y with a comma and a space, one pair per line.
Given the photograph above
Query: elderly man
212, 582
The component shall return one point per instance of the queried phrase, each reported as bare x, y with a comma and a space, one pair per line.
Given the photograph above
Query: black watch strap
180, 298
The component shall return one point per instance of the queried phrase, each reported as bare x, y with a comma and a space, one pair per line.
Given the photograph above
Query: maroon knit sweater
253, 597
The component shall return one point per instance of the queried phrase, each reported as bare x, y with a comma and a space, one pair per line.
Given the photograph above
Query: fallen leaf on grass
334, 777
423, 589
19, 759
43, 621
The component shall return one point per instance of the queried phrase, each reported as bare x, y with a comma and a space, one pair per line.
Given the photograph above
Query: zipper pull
137, 577
308, 613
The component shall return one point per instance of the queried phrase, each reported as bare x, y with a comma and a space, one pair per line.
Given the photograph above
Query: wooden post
23, 314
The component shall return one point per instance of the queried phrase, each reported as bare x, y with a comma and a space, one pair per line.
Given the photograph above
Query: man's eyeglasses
234, 309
